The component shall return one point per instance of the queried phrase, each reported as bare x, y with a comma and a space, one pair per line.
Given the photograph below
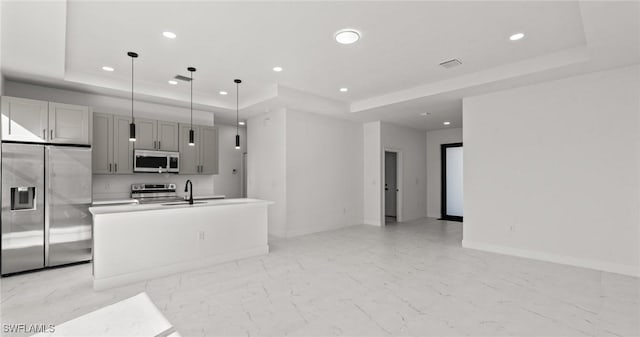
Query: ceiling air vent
183, 78
451, 63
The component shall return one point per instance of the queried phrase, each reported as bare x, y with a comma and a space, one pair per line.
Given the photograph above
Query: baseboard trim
566, 260
143, 275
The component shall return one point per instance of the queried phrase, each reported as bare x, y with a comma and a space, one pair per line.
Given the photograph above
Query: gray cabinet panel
24, 119
189, 155
122, 147
168, 136
68, 124
146, 134
102, 148
208, 150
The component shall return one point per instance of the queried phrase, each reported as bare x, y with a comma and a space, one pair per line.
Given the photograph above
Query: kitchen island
139, 242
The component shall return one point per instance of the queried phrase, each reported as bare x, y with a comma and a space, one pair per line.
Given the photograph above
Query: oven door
151, 161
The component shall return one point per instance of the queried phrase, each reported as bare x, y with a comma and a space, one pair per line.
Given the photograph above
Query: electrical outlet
512, 228
201, 235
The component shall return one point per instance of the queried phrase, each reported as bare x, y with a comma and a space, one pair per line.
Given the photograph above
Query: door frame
399, 166
443, 183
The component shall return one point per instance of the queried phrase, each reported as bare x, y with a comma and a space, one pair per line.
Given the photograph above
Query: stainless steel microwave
156, 161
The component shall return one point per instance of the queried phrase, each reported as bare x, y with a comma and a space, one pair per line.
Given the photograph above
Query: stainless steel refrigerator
46, 193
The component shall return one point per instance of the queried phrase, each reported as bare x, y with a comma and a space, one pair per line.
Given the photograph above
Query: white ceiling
392, 73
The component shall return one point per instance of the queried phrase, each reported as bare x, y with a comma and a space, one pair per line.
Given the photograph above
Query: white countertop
122, 201
135, 316
155, 207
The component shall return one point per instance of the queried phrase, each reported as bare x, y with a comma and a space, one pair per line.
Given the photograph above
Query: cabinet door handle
51, 135
109, 167
44, 133
159, 146
116, 166
155, 144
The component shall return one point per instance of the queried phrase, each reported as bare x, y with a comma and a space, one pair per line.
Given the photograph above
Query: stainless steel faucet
188, 186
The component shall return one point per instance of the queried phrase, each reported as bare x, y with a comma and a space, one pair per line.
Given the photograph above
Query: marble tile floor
408, 279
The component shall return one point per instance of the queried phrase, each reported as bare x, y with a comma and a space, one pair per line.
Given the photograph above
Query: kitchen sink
183, 203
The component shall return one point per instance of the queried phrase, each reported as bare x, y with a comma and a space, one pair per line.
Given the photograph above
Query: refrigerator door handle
47, 214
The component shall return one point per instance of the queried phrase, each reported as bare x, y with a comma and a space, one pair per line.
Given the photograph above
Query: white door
68, 124
24, 120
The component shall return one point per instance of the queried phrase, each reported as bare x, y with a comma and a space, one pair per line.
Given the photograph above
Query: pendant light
237, 113
132, 125
191, 133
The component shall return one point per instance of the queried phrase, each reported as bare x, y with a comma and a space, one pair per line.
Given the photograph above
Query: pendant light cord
191, 82
237, 108
132, 120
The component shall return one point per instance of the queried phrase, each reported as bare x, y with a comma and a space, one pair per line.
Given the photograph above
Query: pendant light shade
191, 138
191, 133
237, 81
132, 126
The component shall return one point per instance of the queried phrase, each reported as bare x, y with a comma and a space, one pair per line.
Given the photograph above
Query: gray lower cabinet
112, 150
202, 158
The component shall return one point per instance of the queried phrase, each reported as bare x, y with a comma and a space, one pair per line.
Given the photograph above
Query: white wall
372, 174
324, 173
267, 166
226, 182
436, 138
118, 186
552, 171
412, 144
311, 166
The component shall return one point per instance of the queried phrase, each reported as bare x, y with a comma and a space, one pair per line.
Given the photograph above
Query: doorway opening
451, 205
392, 182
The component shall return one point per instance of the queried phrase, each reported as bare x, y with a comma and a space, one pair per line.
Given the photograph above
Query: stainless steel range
155, 193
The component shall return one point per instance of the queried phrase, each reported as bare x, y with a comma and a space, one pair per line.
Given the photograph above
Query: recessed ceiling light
172, 82
423, 114
347, 36
277, 69
106, 68
344, 89
446, 123
241, 123
516, 37
169, 35
223, 93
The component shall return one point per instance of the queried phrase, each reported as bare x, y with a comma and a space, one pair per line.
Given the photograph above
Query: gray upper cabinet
146, 134
189, 155
122, 147
102, 149
30, 120
68, 124
112, 151
24, 119
168, 136
208, 150
202, 158
156, 135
